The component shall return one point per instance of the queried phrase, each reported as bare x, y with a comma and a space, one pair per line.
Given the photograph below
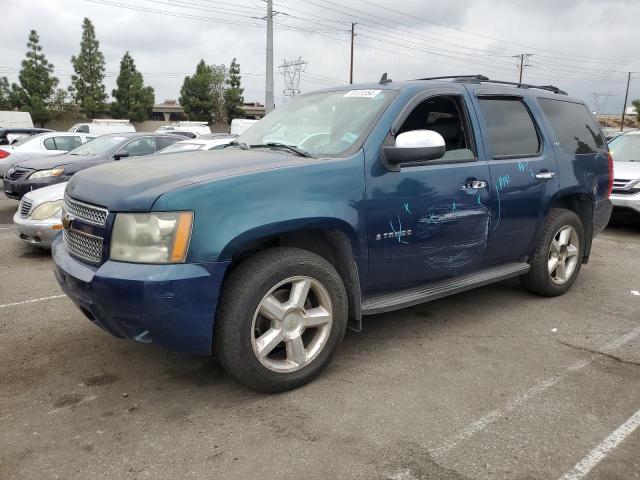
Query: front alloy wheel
292, 324
282, 313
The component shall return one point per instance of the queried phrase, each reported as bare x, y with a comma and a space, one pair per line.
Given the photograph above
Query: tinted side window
83, 129
141, 146
165, 142
510, 128
67, 143
49, 143
574, 126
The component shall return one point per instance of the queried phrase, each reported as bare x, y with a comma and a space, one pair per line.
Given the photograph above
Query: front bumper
627, 202
170, 306
18, 188
37, 232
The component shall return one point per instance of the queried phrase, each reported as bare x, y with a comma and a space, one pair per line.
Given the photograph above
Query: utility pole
353, 34
626, 98
523, 60
269, 102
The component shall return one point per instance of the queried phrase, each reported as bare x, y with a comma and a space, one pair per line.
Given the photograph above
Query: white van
15, 120
197, 128
103, 126
241, 125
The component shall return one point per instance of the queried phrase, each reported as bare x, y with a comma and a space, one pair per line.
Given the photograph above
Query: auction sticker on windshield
362, 93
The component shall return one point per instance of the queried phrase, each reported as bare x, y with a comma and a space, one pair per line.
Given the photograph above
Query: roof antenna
384, 79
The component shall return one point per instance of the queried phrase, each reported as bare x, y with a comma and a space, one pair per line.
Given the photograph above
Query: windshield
181, 147
625, 148
99, 146
320, 124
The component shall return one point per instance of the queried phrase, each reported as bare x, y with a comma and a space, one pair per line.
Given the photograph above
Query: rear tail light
610, 189
4, 154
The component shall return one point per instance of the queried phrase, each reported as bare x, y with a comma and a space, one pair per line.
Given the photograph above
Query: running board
388, 302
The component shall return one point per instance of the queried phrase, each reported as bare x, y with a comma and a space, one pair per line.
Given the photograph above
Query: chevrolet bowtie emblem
67, 221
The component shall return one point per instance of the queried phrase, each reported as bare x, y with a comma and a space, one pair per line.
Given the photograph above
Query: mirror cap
415, 146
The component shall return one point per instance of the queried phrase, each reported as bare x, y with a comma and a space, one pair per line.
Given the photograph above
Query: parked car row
40, 183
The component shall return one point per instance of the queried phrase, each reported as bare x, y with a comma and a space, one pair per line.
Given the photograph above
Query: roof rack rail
478, 78
485, 79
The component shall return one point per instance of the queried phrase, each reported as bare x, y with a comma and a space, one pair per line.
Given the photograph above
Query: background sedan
40, 145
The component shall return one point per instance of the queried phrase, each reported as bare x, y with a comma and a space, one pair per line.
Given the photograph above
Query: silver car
37, 220
41, 145
625, 150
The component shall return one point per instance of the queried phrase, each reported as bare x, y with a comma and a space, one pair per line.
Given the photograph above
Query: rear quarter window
574, 126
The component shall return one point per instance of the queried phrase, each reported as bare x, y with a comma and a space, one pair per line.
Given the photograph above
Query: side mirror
415, 146
118, 156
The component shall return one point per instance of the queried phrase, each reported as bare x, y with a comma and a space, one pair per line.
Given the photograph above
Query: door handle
473, 184
545, 175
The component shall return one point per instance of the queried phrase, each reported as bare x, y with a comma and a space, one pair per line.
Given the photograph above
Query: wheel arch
334, 240
580, 203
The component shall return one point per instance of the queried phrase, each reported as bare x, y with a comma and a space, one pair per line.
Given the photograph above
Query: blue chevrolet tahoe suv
342, 203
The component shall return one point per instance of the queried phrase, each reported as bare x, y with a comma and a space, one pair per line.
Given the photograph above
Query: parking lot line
33, 300
484, 421
584, 466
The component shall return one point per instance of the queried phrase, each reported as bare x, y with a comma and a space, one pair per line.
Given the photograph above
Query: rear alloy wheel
281, 315
557, 259
563, 254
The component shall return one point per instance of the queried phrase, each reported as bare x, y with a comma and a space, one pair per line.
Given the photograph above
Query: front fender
234, 211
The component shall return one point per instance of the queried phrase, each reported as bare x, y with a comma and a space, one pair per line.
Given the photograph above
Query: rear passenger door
523, 173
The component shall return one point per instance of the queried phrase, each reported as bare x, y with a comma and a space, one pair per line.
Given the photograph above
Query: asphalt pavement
495, 383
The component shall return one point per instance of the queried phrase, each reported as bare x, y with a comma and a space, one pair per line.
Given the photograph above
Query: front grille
625, 187
624, 192
25, 207
16, 173
86, 212
83, 245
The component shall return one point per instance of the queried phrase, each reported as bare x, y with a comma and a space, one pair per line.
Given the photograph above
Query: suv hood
133, 185
45, 163
626, 170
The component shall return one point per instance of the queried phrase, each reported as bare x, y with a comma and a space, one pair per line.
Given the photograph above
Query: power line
563, 56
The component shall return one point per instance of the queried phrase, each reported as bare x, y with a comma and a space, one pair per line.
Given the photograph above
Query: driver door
430, 221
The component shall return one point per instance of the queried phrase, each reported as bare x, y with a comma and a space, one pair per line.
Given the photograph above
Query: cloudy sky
582, 46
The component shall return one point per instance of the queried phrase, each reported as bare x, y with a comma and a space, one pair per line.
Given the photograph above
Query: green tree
5, 94
196, 95
233, 99
636, 103
36, 83
132, 99
218, 84
87, 87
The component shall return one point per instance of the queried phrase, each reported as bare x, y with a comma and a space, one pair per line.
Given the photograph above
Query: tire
261, 315
543, 279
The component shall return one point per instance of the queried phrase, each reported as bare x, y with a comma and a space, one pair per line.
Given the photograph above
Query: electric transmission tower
291, 72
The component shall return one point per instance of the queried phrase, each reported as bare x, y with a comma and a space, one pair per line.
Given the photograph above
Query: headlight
46, 210
55, 172
151, 237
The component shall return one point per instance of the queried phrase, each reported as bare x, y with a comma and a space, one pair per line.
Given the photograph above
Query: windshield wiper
236, 143
291, 148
